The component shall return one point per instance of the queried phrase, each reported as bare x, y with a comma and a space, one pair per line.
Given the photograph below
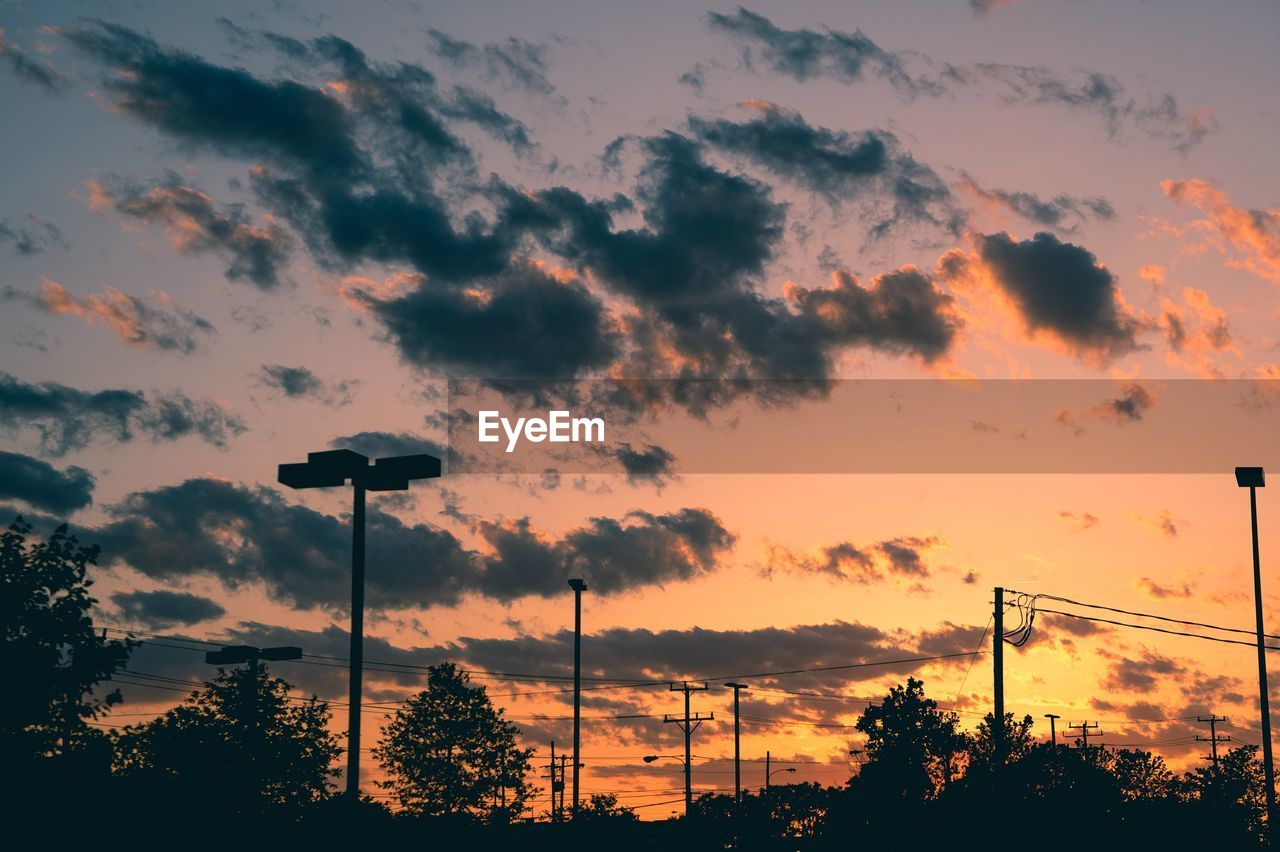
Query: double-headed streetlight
331, 468
1253, 479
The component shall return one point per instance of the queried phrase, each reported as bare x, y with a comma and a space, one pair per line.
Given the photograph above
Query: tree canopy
448, 751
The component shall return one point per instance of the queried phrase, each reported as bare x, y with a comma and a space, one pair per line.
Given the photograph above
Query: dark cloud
197, 225
29, 70
302, 383
32, 236
650, 463
611, 555
68, 418
1061, 288
516, 61
902, 312
1129, 406
226, 110
805, 54
1156, 115
903, 556
151, 322
702, 653
44, 486
849, 58
1064, 213
869, 167
162, 609
693, 272
1141, 674
547, 327
379, 444
619, 653
240, 534
366, 169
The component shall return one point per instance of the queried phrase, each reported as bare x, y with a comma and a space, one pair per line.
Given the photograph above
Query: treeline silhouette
241, 760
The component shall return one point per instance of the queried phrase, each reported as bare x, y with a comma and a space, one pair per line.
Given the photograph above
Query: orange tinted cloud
1252, 235
156, 322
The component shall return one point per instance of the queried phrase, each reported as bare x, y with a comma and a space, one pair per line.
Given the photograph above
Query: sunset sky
233, 233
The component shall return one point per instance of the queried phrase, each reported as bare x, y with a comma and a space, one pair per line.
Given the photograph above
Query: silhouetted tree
448, 752
603, 807
52, 654
912, 746
241, 743
1234, 790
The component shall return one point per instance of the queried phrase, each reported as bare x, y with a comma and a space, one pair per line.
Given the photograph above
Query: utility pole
578, 587
1086, 730
1053, 730
551, 769
688, 724
564, 758
1213, 739
1253, 478
997, 656
768, 758
737, 749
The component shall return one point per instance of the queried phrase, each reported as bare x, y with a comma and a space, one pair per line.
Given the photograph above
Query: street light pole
331, 468
578, 587
1253, 479
356, 652
737, 750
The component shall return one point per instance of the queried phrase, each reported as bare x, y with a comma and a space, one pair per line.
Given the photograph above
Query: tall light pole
331, 468
1253, 479
578, 587
737, 750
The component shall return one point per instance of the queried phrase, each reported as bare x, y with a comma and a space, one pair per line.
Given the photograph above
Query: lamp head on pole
1250, 477
578, 584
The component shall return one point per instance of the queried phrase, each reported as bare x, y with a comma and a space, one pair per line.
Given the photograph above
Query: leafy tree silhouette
913, 749
448, 752
50, 648
604, 807
240, 744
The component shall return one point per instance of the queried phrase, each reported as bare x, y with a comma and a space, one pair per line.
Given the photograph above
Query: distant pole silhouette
1213, 739
552, 776
564, 758
330, 468
1253, 479
1086, 730
578, 587
768, 758
997, 656
1053, 729
737, 743
688, 724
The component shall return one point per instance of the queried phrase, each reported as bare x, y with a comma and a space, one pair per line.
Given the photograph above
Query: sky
234, 233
